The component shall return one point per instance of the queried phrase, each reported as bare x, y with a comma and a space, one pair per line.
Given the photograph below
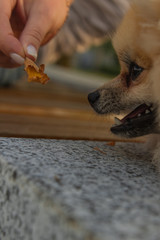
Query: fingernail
17, 58
31, 50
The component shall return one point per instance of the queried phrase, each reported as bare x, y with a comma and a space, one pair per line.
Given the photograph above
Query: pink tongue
135, 112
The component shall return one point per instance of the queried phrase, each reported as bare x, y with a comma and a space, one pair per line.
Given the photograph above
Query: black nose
93, 97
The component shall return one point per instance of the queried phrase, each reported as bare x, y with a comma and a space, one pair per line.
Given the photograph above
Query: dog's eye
135, 71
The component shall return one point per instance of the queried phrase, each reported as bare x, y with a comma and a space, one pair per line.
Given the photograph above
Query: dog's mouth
141, 121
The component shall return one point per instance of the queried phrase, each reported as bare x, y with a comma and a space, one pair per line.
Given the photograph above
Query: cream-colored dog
137, 87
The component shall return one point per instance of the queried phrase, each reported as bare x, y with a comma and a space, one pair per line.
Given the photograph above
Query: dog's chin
141, 121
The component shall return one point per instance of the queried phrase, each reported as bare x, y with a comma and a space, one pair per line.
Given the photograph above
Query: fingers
44, 19
32, 36
9, 45
7, 62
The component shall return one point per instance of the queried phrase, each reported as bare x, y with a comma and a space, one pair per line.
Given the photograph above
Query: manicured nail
31, 50
17, 58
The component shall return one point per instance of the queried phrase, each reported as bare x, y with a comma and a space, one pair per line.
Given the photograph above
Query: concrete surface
77, 190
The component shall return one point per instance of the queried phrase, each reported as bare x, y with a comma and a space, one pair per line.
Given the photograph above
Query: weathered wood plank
51, 111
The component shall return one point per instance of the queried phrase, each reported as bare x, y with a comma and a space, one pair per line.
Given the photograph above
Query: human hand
25, 25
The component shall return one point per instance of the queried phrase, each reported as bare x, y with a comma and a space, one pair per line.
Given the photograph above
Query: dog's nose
93, 97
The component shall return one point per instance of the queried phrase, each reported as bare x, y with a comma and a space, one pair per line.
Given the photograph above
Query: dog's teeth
117, 121
151, 108
147, 111
139, 115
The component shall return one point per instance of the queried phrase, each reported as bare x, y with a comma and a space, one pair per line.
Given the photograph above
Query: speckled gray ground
68, 190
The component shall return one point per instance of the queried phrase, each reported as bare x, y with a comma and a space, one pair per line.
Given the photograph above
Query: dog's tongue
139, 110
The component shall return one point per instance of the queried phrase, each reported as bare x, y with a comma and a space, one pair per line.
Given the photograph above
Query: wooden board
50, 111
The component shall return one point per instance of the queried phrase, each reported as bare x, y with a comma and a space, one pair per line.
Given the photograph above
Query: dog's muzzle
139, 122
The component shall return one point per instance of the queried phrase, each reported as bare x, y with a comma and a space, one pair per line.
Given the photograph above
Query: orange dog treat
35, 73
111, 143
98, 149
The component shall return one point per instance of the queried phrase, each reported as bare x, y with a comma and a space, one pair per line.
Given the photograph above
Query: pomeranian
137, 88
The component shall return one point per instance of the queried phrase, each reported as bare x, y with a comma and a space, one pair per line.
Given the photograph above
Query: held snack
35, 73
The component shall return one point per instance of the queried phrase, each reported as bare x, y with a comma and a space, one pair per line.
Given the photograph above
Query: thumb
33, 34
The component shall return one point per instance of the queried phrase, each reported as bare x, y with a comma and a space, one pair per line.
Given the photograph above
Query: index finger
9, 44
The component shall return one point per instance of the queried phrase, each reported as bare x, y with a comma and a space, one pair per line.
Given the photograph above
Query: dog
137, 88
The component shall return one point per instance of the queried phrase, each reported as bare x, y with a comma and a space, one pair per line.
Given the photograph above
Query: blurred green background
100, 60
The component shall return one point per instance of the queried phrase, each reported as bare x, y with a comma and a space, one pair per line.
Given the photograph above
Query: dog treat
111, 143
35, 73
98, 149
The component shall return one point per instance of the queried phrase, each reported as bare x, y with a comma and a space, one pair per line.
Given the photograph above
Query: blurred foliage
101, 60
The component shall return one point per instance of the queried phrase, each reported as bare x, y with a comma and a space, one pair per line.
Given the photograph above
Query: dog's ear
148, 10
